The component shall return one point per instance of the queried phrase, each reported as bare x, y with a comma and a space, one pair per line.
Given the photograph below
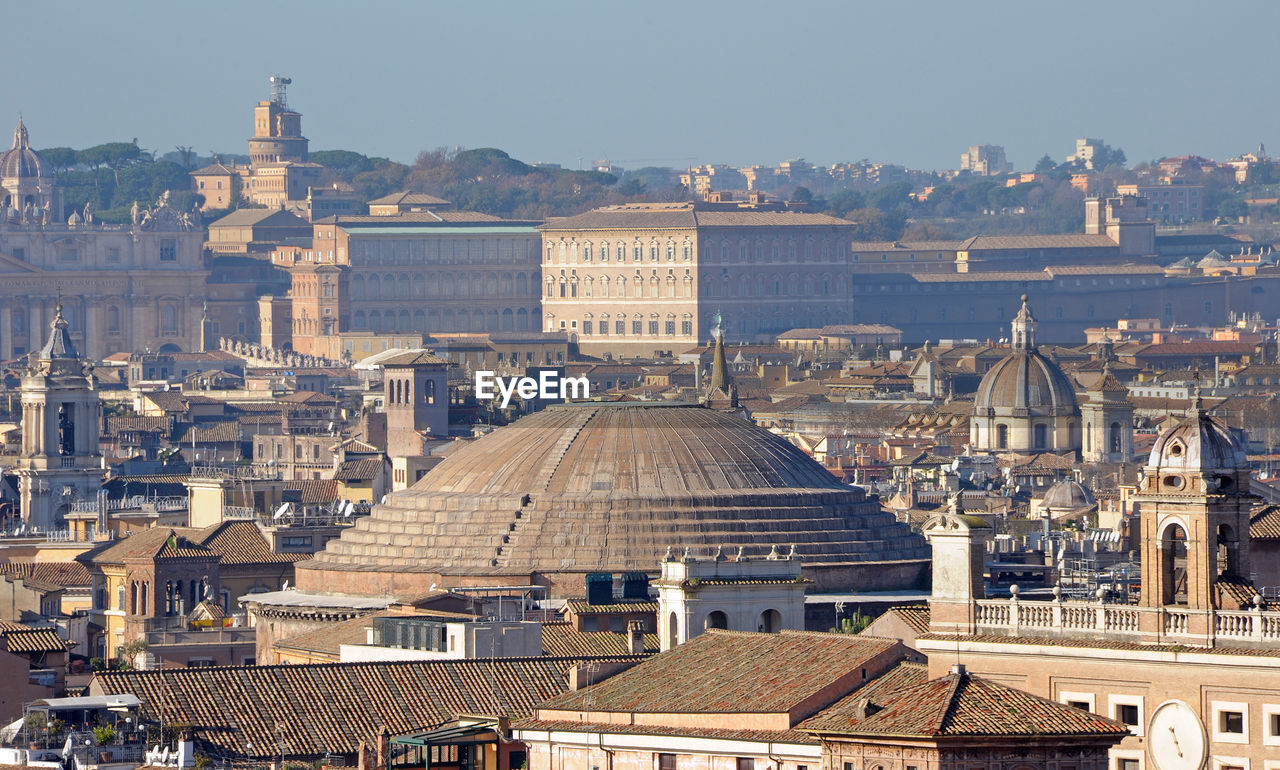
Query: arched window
168, 319
1115, 438
673, 630
1227, 551
1041, 434
1173, 565
113, 318
717, 619
1002, 436
770, 621
431, 392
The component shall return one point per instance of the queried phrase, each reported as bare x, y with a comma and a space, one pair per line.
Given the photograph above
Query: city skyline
668, 86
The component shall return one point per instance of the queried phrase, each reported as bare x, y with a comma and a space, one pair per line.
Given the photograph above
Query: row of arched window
400, 391
178, 599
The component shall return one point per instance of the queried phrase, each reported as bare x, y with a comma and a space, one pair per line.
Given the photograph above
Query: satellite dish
281, 510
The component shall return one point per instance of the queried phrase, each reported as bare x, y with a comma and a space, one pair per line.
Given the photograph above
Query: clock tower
59, 462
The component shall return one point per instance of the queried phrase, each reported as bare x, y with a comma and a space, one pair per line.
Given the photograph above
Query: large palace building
640, 278
421, 272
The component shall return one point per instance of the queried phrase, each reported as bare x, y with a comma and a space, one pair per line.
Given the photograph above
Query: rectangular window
1083, 705
666, 762
586, 327
686, 328
604, 327
168, 250
20, 255
620, 327
68, 255
637, 327
746, 763
1127, 713
1128, 764
113, 254
1231, 722
670, 328
653, 328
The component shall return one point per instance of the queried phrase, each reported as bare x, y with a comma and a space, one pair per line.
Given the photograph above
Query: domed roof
1198, 443
21, 161
1068, 494
603, 487
1024, 379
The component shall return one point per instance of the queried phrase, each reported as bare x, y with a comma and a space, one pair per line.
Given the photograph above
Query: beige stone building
417, 272
1193, 668
637, 279
121, 287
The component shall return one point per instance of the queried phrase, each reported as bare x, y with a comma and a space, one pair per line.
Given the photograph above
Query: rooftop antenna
279, 84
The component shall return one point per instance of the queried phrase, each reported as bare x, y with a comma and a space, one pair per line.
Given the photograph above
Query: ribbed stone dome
21, 160
1024, 379
600, 487
1068, 494
1198, 443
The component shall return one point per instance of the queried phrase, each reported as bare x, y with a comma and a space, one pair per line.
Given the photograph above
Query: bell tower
1194, 503
1108, 421
59, 463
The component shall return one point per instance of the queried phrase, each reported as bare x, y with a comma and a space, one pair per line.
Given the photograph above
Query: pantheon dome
609, 487
1025, 403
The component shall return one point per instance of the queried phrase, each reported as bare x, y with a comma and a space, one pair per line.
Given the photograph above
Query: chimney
384, 747
635, 637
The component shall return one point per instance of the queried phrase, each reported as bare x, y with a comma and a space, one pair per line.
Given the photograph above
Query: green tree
802, 194
60, 158
842, 202
1045, 165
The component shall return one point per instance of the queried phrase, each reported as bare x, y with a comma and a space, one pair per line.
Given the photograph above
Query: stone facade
642, 278
412, 273
1191, 668
121, 287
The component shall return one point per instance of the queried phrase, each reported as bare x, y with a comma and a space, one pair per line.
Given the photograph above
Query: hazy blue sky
655, 82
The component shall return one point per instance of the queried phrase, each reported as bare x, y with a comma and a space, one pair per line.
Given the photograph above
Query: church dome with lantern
1025, 403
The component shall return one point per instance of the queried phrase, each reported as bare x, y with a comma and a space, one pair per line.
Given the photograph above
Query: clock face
1176, 738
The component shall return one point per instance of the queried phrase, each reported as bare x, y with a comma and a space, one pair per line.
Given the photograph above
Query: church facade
128, 287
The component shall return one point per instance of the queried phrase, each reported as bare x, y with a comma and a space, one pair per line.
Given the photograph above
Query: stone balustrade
1097, 619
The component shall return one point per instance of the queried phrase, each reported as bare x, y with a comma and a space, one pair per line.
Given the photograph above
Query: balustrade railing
1068, 617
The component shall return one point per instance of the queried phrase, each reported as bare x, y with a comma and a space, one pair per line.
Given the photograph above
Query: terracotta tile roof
1105, 269
984, 277
118, 425
1021, 242
19, 638
759, 736
1236, 593
330, 707
916, 617
667, 216
213, 433
307, 397
905, 245
358, 470
327, 641
730, 671
952, 706
241, 542
315, 490
412, 357
565, 640
149, 542
582, 607
409, 199
61, 574
1264, 524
